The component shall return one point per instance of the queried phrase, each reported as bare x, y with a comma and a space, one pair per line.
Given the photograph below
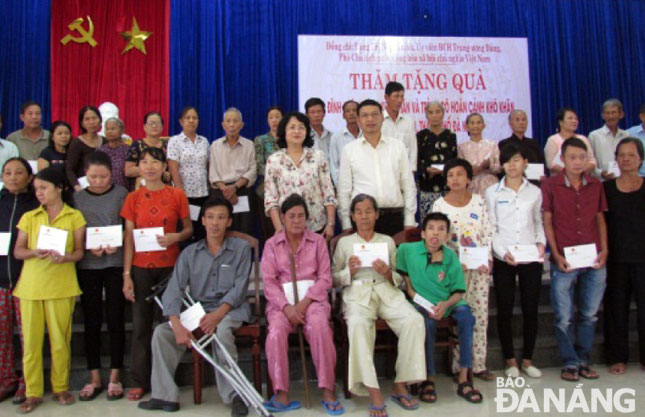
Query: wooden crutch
303, 360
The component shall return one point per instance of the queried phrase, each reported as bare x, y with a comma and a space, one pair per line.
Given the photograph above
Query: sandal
618, 368
89, 392
64, 398
375, 411
115, 391
587, 373
485, 375
135, 394
570, 374
468, 396
427, 392
398, 399
29, 404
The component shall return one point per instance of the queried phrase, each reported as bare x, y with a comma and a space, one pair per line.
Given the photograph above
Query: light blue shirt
338, 141
638, 132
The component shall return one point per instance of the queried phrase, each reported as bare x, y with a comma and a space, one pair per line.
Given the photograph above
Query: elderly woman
626, 266
436, 146
482, 154
116, 149
567, 120
89, 120
297, 168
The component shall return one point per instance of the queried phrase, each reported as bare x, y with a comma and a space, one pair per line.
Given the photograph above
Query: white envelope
83, 182
581, 256
34, 166
557, 160
242, 205
525, 253
437, 166
612, 168
473, 258
97, 237
51, 238
194, 212
534, 171
5, 240
190, 317
369, 252
302, 286
426, 304
145, 240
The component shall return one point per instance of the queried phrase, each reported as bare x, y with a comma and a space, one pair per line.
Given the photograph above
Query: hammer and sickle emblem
86, 36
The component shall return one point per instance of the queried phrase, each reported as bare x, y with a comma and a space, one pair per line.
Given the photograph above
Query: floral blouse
476, 153
434, 150
312, 180
469, 225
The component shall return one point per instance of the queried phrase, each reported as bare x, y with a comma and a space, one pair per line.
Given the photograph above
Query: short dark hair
349, 101
392, 87
81, 115
186, 109
152, 113
573, 142
314, 101
635, 141
509, 151
278, 108
155, 153
52, 129
23, 161
436, 216
98, 158
282, 129
458, 162
294, 200
360, 198
216, 201
560, 116
369, 102
24, 106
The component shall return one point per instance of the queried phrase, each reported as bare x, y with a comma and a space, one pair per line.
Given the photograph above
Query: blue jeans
586, 286
465, 323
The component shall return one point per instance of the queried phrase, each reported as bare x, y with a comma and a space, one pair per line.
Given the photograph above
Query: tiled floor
448, 403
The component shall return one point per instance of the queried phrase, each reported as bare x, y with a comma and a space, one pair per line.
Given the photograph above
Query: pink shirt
553, 145
312, 263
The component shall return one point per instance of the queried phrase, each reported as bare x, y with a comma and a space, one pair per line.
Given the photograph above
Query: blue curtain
24, 59
243, 53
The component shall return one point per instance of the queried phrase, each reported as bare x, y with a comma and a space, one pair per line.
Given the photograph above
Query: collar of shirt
348, 133
424, 251
382, 140
202, 246
607, 132
563, 180
399, 116
198, 138
325, 133
65, 211
501, 186
281, 238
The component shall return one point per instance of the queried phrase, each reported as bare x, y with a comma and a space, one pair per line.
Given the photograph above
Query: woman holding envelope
470, 236
101, 268
482, 154
16, 198
152, 213
50, 241
567, 120
514, 206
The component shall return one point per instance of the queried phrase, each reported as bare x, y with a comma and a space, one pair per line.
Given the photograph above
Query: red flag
83, 74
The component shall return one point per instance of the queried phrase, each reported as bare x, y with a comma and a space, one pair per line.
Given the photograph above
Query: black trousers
624, 281
143, 314
243, 222
530, 280
389, 222
92, 283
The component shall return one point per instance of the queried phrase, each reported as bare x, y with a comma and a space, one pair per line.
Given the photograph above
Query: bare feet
618, 368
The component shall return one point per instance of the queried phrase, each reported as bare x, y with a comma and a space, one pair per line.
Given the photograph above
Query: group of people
303, 185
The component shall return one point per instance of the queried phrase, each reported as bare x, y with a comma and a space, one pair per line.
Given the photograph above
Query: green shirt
435, 282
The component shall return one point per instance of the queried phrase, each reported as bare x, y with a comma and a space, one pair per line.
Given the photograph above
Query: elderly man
342, 138
217, 270
604, 140
232, 169
398, 126
371, 291
377, 165
32, 138
312, 311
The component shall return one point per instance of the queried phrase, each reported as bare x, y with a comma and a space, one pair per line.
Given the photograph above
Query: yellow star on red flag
135, 37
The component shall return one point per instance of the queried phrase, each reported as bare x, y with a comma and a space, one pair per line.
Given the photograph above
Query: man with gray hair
232, 169
519, 122
604, 140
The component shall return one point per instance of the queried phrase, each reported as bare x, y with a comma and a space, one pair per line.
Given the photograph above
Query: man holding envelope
217, 270
363, 265
574, 224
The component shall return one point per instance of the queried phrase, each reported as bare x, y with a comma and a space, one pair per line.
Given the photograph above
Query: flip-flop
377, 408
327, 405
89, 392
115, 391
397, 399
135, 394
276, 407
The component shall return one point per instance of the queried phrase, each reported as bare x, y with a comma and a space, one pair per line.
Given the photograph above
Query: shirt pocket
226, 279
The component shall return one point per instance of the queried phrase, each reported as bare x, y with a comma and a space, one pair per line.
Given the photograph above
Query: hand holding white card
473, 258
612, 168
5, 240
427, 305
581, 256
525, 253
145, 240
242, 205
102, 237
83, 182
534, 171
34, 166
191, 317
194, 212
369, 252
51, 238
437, 166
303, 286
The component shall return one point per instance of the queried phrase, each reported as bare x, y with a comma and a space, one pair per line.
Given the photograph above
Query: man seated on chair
435, 282
217, 270
371, 291
312, 312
